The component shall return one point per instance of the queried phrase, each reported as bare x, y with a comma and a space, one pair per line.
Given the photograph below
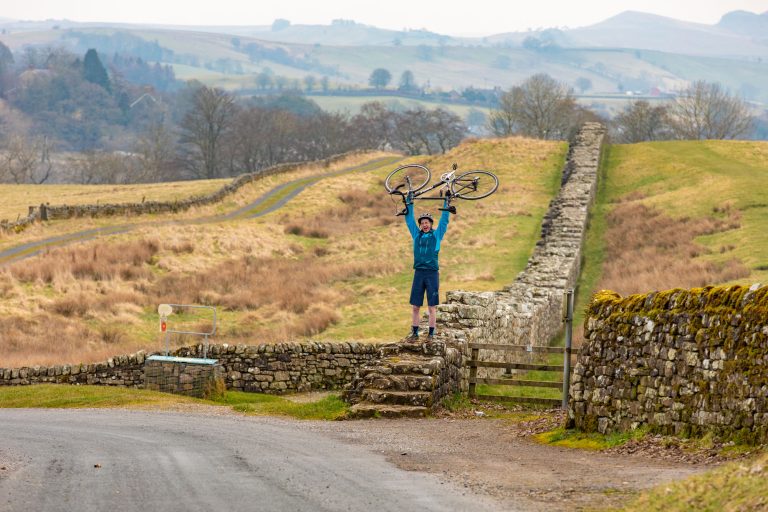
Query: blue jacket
426, 246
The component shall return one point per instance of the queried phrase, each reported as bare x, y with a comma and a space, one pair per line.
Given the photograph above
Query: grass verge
735, 486
56, 396
328, 408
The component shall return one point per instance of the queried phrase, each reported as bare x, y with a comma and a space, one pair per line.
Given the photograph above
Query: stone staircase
407, 380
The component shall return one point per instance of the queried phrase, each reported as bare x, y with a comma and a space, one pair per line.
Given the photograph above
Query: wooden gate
522, 380
563, 369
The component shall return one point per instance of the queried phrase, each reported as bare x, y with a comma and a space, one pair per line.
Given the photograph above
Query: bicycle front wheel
474, 185
409, 177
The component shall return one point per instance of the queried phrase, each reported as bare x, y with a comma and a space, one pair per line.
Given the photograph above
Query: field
17, 198
333, 263
678, 214
443, 67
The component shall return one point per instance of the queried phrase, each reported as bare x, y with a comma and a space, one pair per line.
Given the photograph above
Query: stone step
414, 366
386, 396
399, 382
369, 410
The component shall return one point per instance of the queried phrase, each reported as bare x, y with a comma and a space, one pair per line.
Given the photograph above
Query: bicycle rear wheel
407, 177
474, 185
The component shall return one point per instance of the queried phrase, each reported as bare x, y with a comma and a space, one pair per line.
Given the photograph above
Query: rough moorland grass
250, 268
721, 180
487, 244
733, 487
76, 397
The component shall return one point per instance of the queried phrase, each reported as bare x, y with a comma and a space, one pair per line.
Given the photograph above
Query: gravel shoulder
498, 459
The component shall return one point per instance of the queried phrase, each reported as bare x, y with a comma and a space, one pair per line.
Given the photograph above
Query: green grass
64, 396
733, 487
685, 179
328, 408
587, 441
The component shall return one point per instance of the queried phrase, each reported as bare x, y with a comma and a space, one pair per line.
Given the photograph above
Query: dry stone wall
680, 362
529, 311
48, 212
273, 368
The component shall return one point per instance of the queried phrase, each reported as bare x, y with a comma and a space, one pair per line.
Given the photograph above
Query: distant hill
632, 51
651, 32
746, 23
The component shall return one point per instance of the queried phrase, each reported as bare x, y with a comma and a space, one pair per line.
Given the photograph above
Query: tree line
542, 107
115, 131
112, 131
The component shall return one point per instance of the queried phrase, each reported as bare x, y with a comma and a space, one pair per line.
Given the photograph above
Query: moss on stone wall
679, 361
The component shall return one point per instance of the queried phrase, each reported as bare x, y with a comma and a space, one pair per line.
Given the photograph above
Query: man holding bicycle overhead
426, 277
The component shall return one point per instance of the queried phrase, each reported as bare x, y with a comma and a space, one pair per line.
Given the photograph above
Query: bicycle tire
466, 186
419, 175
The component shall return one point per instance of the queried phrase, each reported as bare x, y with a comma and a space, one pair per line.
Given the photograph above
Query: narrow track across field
263, 205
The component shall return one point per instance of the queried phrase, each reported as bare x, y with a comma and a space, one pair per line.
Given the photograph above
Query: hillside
631, 51
332, 263
678, 214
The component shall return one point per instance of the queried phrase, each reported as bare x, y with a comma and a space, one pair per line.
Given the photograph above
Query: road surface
119, 460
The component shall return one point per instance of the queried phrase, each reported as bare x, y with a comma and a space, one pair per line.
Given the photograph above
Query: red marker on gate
162, 326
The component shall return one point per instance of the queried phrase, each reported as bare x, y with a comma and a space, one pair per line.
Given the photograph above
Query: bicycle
470, 185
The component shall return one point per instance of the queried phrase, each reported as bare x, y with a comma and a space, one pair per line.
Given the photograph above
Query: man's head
425, 222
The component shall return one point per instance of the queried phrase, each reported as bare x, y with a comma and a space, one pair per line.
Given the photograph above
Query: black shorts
425, 281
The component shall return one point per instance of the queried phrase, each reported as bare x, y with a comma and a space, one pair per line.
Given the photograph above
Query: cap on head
427, 216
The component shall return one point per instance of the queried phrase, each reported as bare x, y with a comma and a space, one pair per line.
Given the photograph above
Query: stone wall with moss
686, 362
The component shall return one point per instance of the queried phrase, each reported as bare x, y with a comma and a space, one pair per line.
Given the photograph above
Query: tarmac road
119, 460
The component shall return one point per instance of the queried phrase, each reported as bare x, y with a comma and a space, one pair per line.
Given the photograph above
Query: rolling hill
631, 51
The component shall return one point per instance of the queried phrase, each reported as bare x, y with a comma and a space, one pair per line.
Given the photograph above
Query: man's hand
409, 198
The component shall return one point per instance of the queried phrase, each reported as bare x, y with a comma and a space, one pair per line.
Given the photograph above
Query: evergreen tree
94, 71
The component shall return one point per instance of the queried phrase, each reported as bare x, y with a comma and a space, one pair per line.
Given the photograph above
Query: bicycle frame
445, 181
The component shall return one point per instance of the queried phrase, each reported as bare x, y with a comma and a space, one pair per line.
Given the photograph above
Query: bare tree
447, 129
156, 150
504, 120
640, 121
26, 161
706, 111
540, 107
97, 168
204, 126
373, 126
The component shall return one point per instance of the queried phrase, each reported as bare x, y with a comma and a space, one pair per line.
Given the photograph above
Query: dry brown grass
96, 262
100, 292
251, 283
647, 250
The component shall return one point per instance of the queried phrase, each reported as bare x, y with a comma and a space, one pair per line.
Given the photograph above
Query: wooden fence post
473, 372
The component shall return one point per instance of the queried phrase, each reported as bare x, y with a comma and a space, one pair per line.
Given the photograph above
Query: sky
463, 18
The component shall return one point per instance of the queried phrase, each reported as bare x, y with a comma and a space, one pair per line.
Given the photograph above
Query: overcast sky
474, 17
